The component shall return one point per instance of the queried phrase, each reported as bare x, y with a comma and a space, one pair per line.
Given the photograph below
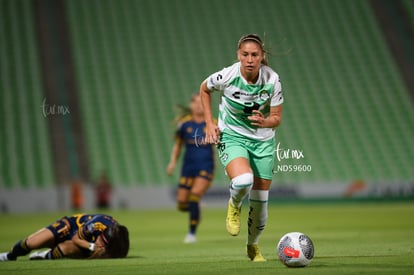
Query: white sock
257, 215
240, 187
237, 196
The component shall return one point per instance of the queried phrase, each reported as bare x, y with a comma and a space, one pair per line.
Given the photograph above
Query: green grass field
349, 238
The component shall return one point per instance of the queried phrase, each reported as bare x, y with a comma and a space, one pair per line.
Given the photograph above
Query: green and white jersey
239, 99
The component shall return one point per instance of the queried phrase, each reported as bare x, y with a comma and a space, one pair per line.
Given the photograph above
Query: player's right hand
212, 133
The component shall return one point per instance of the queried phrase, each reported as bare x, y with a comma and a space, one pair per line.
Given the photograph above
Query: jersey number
250, 106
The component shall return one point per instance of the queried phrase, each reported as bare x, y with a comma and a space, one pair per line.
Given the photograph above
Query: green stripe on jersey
253, 89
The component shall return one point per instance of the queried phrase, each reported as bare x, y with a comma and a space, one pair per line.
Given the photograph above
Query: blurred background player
103, 190
85, 236
198, 164
76, 195
250, 109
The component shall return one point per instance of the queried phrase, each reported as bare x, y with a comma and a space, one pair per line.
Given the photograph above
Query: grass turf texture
357, 238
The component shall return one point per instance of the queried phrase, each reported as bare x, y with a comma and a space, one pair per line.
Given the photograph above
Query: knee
26, 245
193, 198
182, 206
242, 181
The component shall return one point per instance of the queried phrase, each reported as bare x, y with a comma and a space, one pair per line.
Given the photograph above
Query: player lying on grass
81, 236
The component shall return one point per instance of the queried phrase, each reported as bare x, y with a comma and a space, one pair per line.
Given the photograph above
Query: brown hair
254, 38
183, 110
117, 237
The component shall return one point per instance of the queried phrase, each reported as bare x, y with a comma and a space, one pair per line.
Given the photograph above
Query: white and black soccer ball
295, 249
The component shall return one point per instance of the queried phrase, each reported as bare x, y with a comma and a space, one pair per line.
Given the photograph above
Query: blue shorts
196, 169
62, 230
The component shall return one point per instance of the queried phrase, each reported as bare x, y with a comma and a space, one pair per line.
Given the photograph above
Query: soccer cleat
3, 257
190, 238
39, 255
233, 219
253, 252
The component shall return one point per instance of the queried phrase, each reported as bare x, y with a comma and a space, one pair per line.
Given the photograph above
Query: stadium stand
346, 106
25, 153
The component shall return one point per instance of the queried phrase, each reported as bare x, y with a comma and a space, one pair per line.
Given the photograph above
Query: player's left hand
257, 119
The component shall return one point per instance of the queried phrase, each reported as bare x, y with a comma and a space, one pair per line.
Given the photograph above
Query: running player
77, 236
250, 110
198, 164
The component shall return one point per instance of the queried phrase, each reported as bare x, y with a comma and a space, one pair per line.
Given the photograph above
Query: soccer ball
295, 249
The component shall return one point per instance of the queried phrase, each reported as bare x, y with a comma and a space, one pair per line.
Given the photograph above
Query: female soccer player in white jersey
249, 112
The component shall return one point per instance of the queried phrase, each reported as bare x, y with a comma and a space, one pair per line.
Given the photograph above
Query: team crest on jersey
224, 157
91, 227
263, 95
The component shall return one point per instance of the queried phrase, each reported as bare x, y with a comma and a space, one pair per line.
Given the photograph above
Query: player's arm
73, 251
101, 252
81, 243
175, 153
275, 117
212, 130
84, 244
